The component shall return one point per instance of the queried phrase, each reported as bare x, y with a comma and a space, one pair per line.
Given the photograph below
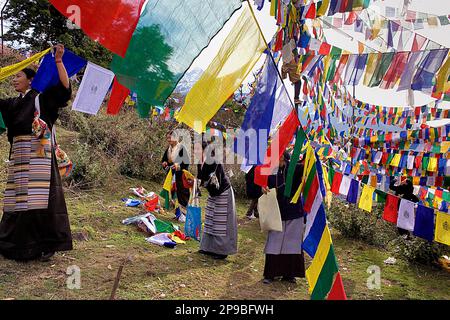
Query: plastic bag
193, 226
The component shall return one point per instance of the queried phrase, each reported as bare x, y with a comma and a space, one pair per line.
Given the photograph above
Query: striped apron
29, 172
216, 214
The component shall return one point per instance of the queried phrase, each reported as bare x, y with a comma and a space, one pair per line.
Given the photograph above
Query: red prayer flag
118, 95
111, 24
311, 14
336, 182
337, 291
390, 212
325, 48
283, 136
279, 41
418, 42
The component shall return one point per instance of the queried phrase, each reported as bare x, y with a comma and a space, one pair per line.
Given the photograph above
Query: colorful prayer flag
166, 41
240, 51
112, 25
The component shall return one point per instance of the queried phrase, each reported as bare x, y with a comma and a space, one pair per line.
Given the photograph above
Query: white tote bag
269, 212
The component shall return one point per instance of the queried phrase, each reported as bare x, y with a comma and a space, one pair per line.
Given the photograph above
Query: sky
365, 94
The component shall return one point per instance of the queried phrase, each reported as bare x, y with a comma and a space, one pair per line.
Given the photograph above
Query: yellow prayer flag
442, 231
323, 8
416, 181
372, 63
432, 164
432, 21
366, 200
373, 181
442, 83
314, 270
360, 47
376, 27
5, 72
272, 8
168, 182
396, 160
373, 139
239, 53
310, 160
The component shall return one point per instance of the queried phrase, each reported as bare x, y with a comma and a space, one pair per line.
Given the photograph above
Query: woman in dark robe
284, 255
219, 238
254, 192
35, 223
174, 159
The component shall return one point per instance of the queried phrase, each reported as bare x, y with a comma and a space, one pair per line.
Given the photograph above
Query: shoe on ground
267, 281
46, 256
289, 279
251, 217
219, 256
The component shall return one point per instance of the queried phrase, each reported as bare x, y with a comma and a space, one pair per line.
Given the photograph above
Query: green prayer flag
381, 69
299, 140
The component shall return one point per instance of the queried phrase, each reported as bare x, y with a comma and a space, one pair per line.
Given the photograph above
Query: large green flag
169, 36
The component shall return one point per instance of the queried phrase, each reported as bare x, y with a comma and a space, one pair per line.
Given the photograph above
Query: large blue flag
251, 140
47, 74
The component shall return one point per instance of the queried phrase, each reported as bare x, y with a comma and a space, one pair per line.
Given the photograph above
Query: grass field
103, 244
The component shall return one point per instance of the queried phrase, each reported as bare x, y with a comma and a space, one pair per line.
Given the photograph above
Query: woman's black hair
30, 73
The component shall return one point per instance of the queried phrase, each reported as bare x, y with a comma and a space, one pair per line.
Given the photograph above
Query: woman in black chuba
219, 238
35, 223
284, 255
174, 159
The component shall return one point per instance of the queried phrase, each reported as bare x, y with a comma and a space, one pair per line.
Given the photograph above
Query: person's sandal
46, 256
267, 281
288, 279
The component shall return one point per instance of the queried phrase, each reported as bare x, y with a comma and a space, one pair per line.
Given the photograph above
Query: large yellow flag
5, 72
442, 232
241, 50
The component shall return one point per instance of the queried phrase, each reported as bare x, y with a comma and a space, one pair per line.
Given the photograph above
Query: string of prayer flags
323, 273
93, 89
112, 25
176, 39
236, 58
8, 71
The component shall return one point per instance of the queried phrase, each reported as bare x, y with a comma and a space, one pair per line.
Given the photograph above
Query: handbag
213, 181
193, 225
269, 212
39, 128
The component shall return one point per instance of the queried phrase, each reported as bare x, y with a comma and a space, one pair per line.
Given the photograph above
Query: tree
33, 23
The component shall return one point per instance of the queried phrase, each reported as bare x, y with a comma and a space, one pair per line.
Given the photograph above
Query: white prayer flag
410, 164
93, 89
406, 217
345, 185
378, 156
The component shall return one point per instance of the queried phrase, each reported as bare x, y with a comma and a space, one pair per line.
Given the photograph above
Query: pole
1, 18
